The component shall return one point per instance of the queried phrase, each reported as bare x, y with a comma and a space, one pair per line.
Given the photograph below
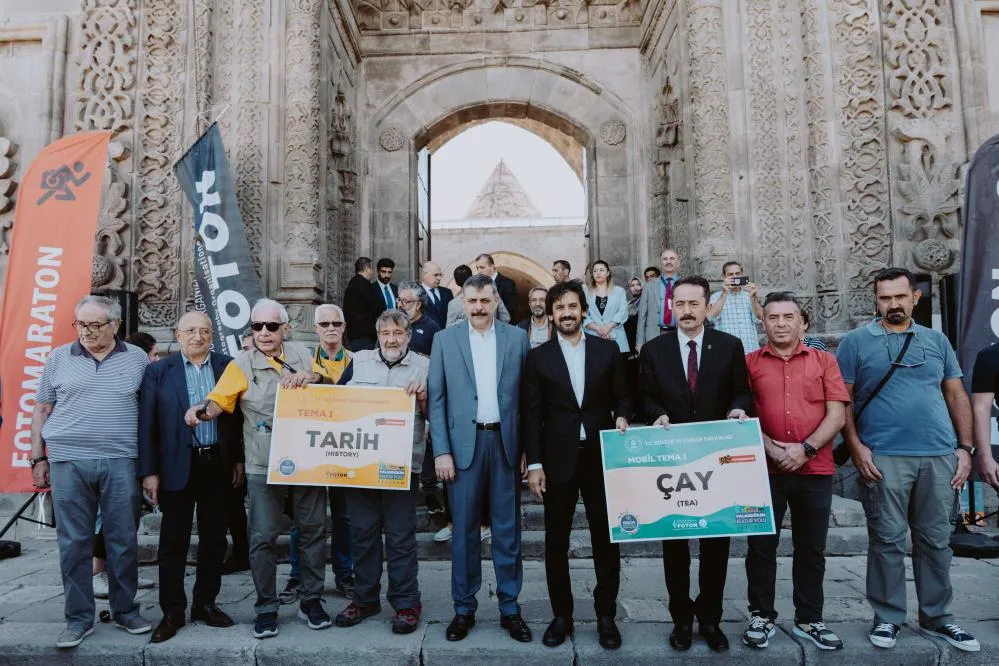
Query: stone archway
555, 96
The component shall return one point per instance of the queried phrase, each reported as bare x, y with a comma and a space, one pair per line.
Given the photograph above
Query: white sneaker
883, 635
101, 585
485, 533
957, 637
442, 535
145, 583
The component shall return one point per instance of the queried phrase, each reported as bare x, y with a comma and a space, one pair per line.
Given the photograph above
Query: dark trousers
810, 499
391, 513
707, 608
237, 522
340, 555
207, 487
560, 505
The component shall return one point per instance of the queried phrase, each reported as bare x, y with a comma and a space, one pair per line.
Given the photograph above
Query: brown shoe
406, 619
356, 613
166, 629
211, 615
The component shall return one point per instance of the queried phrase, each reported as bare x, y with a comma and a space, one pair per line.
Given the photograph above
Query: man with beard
561, 271
538, 325
389, 513
413, 301
574, 387
693, 374
910, 437
474, 394
383, 285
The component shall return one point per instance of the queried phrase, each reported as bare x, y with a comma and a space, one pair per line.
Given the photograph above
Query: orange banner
51, 251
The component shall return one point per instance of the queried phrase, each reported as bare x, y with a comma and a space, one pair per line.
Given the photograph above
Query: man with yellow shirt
250, 381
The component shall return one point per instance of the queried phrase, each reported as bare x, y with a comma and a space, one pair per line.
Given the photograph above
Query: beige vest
257, 402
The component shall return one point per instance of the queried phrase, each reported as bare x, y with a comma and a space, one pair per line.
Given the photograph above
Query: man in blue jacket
181, 467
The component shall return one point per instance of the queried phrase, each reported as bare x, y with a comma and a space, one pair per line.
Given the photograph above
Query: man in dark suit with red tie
573, 387
693, 374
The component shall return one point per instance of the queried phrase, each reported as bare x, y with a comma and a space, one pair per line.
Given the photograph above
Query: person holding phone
735, 309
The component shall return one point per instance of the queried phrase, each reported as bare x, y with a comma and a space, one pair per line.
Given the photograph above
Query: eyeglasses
915, 355
404, 302
90, 327
203, 332
272, 326
327, 324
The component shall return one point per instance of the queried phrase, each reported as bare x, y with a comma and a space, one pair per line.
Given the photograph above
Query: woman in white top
607, 306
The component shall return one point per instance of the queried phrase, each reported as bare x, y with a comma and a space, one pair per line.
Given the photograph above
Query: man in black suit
361, 306
693, 374
438, 297
386, 291
181, 467
573, 387
506, 287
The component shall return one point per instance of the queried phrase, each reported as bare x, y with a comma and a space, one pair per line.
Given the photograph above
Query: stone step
841, 541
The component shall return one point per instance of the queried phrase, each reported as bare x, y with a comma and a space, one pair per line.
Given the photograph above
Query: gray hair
112, 306
416, 288
397, 317
479, 282
268, 303
328, 306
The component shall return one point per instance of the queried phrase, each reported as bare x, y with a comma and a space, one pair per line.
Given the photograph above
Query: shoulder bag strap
884, 380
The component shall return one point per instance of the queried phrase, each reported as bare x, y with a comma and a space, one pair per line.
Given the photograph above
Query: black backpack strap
884, 380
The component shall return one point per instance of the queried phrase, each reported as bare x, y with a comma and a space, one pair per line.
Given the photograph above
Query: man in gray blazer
474, 403
655, 314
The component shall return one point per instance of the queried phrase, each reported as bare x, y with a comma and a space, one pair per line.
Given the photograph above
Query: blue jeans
79, 487
343, 563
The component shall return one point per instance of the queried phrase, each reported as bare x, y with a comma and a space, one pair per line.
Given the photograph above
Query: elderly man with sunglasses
84, 442
910, 437
250, 382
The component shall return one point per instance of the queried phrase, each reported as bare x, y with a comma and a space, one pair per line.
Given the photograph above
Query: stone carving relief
859, 98
392, 139
8, 188
446, 15
613, 132
921, 119
156, 260
108, 266
668, 226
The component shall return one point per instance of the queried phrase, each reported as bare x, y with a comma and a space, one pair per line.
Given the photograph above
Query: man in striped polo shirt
84, 442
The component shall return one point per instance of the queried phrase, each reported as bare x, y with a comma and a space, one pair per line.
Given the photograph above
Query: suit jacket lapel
560, 367
501, 344
709, 357
673, 362
178, 375
589, 367
461, 331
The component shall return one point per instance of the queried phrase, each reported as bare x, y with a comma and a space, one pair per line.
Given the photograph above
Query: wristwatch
970, 449
810, 451
35, 461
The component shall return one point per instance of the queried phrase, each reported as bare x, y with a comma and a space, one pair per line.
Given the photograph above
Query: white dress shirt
575, 360
484, 364
432, 293
683, 339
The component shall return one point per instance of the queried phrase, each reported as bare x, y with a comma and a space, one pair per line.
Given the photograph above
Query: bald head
432, 274
194, 333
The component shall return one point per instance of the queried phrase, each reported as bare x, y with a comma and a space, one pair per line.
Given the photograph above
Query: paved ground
31, 617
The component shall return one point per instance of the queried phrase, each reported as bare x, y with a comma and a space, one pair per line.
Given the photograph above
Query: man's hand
727, 285
963, 469
738, 414
794, 458
662, 421
238, 474
40, 475
444, 465
536, 482
752, 289
300, 379
621, 424
776, 451
863, 460
418, 389
151, 484
988, 469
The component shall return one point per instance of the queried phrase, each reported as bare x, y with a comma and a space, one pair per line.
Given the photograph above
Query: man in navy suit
437, 297
386, 290
474, 401
181, 467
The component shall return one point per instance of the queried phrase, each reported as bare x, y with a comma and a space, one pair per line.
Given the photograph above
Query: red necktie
668, 304
692, 366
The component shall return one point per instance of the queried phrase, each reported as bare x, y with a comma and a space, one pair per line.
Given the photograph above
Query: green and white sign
689, 481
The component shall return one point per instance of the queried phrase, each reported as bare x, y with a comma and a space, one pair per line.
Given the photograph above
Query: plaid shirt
737, 319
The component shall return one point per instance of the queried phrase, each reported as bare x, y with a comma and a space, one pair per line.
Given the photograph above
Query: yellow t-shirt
332, 368
232, 384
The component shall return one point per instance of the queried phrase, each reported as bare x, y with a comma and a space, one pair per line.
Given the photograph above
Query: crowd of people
499, 405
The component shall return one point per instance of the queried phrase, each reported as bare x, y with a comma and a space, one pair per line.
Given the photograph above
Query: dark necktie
433, 296
692, 366
668, 303
389, 301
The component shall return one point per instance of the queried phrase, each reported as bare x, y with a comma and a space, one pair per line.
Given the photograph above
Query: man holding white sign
689, 375
800, 398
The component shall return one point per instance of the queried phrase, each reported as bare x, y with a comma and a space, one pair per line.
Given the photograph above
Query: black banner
978, 299
227, 283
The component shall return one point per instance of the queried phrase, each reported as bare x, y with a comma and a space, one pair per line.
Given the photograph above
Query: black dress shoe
682, 636
713, 636
459, 627
211, 615
166, 629
234, 565
557, 631
607, 633
516, 627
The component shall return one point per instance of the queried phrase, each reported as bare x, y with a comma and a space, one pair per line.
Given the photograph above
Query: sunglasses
327, 324
272, 326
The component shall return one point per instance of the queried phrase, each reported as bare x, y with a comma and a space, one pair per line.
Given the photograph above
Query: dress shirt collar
197, 365
800, 349
391, 364
684, 338
427, 288
566, 344
487, 334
